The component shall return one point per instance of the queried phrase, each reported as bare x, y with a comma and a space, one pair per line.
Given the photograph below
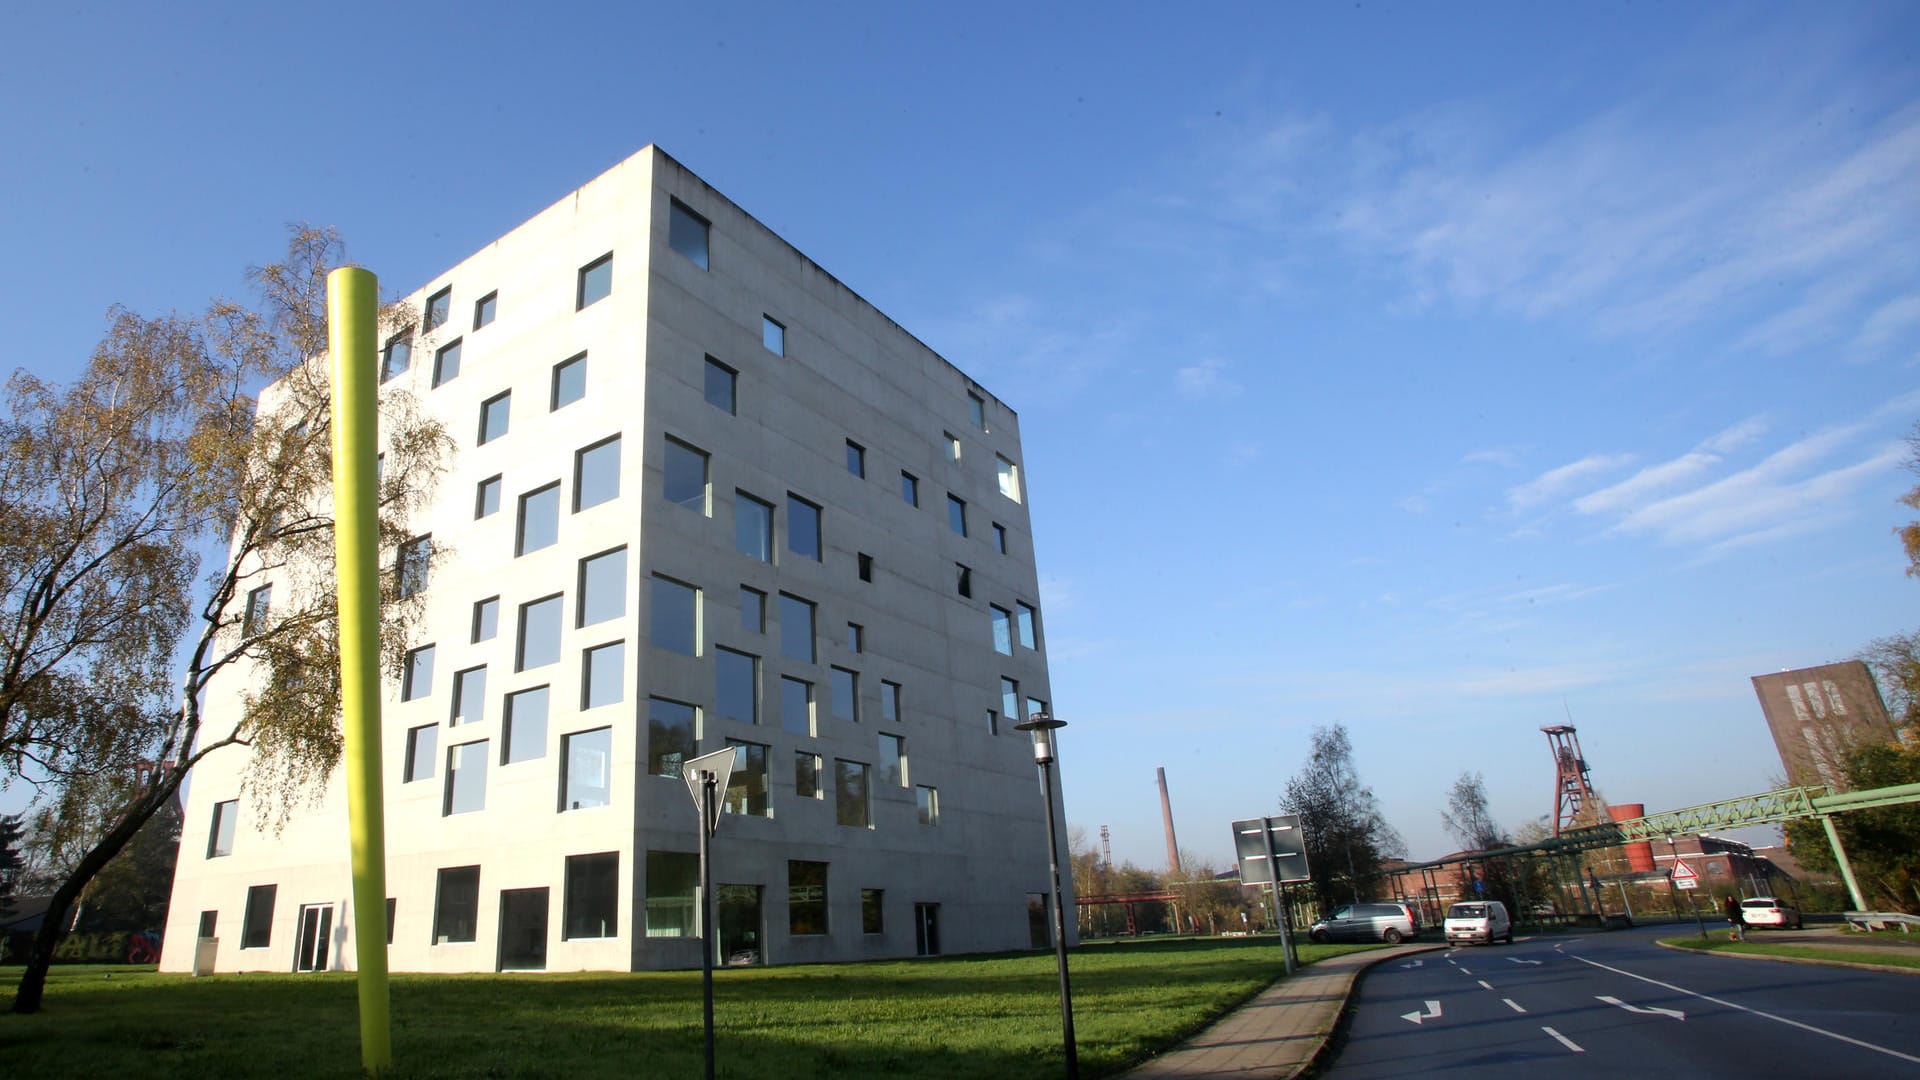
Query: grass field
1883, 956
948, 1017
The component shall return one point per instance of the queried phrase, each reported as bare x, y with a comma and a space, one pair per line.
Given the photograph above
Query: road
1615, 1004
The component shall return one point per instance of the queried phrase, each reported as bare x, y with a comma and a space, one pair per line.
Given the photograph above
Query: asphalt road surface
1615, 1004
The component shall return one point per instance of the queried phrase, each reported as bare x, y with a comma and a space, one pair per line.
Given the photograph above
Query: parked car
1389, 922
1769, 911
1479, 920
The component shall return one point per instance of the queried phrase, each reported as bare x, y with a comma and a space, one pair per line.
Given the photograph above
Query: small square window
417, 679
856, 458
977, 410
687, 233
494, 414
963, 580
603, 675
773, 335
411, 565
486, 497
422, 748
803, 527
596, 474
910, 488
953, 445
569, 382
484, 309
865, 563
957, 514
685, 477
596, 281
999, 538
397, 356
539, 641
469, 696
439, 305
721, 381
446, 363
856, 637
486, 619
539, 523
753, 610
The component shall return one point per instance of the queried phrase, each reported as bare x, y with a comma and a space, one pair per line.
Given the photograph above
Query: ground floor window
806, 897
256, 927
456, 905
673, 879
593, 896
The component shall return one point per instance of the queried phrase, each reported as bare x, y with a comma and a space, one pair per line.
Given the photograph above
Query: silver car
1388, 922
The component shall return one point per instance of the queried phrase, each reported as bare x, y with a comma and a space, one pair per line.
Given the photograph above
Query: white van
1479, 920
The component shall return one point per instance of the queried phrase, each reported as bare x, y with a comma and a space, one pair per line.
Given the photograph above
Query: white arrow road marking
1564, 1041
1432, 1013
1514, 1005
1649, 1011
1409, 967
1517, 960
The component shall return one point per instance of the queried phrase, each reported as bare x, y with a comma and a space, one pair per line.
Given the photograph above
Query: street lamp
1043, 726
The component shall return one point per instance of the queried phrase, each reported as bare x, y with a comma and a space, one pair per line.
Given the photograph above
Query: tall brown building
1819, 714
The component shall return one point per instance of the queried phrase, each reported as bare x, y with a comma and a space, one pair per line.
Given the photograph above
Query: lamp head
1043, 725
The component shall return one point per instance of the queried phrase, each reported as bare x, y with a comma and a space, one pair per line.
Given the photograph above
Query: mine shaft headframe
1573, 801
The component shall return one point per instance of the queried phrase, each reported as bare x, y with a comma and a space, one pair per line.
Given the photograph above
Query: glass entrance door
739, 921
523, 930
316, 930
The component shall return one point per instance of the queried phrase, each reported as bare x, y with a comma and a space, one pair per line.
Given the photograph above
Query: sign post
1686, 880
706, 777
1273, 851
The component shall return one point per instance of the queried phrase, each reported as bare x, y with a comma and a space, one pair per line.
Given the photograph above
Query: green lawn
1887, 957
950, 1017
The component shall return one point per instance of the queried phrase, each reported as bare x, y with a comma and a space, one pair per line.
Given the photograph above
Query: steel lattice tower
1574, 803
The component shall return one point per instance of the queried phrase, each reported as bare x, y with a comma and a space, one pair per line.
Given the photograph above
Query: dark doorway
523, 930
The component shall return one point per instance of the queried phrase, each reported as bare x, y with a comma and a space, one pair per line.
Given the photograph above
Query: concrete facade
954, 840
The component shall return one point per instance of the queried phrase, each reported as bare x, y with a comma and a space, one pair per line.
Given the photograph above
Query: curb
1340, 1015
1811, 961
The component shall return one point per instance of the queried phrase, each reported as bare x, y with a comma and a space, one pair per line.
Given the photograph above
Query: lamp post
1043, 726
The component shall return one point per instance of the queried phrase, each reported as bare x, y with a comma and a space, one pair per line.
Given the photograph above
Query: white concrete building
705, 496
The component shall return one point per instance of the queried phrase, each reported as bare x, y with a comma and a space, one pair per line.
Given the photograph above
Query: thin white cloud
1555, 483
1774, 493
1891, 319
1206, 379
1493, 456
1643, 486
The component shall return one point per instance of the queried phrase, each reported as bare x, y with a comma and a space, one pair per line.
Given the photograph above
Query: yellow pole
351, 316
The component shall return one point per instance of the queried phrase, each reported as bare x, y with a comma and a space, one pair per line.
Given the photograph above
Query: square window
259, 602
603, 675
963, 580
747, 785
423, 746
671, 738
753, 610
796, 706
438, 307
486, 497
852, 804
1028, 614
736, 686
410, 567
486, 619
603, 587
872, 907
685, 476
494, 415
673, 880
1002, 620
256, 926
1010, 699
806, 774
721, 382
524, 725
957, 514
675, 616
803, 527
596, 474
863, 564
856, 458
416, 680
1009, 478
466, 790
446, 363
856, 637
999, 538
397, 356
953, 445
586, 762
687, 233
806, 897
889, 701
893, 760
595, 282
773, 335
539, 642
910, 488
226, 815
569, 382
928, 800
752, 527
539, 522
470, 695
591, 908
977, 410
456, 905
844, 688
796, 628
484, 309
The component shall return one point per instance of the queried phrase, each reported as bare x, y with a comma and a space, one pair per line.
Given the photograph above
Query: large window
539, 525
685, 476
525, 725
806, 897
592, 904
603, 587
844, 688
466, 778
411, 564
957, 514
673, 878
569, 383
687, 233
674, 616
470, 695
596, 474
752, 527
416, 681
803, 527
747, 784
796, 705
1002, 629
796, 628
446, 363
586, 762
456, 905
539, 643
852, 805
603, 675
893, 761
256, 926
721, 382
596, 281
671, 738
1009, 478
736, 686
423, 745
495, 412
220, 836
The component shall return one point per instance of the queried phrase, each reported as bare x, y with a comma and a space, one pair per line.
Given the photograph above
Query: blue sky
1443, 371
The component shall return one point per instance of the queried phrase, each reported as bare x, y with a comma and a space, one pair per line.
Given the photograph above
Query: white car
1769, 911
1479, 920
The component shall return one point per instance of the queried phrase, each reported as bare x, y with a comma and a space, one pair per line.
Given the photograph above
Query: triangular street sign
1683, 872
720, 764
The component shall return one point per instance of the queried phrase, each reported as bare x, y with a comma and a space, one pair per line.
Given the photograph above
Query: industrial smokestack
1166, 814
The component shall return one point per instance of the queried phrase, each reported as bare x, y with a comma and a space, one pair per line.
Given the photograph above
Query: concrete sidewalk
1278, 1033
